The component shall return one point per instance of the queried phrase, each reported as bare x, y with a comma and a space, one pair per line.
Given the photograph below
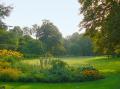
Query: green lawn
109, 67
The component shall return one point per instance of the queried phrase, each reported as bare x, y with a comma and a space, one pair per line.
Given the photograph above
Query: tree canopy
78, 45
40, 40
49, 34
102, 20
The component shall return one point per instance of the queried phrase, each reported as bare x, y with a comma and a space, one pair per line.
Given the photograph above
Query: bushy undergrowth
47, 70
7, 59
59, 71
7, 73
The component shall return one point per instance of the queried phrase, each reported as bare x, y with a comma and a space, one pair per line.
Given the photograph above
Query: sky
62, 13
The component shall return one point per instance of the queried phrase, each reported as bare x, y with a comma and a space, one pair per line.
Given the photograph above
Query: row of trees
45, 39
78, 45
41, 40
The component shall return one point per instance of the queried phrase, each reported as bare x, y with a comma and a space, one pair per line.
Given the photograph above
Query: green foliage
52, 42
49, 34
27, 77
78, 45
9, 59
102, 20
56, 71
8, 40
59, 72
17, 31
31, 47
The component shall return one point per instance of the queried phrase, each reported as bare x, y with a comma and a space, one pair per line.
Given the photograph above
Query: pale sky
63, 13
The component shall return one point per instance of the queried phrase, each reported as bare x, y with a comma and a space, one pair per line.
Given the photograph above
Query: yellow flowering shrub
9, 74
4, 65
10, 53
91, 73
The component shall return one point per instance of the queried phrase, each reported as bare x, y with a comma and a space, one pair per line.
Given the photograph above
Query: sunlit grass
102, 63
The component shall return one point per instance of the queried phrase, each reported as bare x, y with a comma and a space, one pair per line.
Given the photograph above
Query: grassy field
109, 67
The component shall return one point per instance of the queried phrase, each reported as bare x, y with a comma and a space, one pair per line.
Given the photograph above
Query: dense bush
86, 72
9, 74
4, 65
54, 71
59, 71
90, 73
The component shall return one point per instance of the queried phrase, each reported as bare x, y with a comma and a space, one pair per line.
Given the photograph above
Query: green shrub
58, 71
9, 59
23, 67
27, 77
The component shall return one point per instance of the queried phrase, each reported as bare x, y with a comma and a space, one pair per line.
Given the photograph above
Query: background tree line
45, 39
41, 40
101, 21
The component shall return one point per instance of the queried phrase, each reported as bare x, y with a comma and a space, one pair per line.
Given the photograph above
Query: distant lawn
109, 67
103, 64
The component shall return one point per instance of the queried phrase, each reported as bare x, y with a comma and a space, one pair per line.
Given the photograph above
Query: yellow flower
9, 53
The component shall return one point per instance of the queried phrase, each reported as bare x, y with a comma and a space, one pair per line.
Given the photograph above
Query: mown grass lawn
110, 68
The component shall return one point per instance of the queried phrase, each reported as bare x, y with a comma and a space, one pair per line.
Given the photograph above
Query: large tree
102, 23
49, 34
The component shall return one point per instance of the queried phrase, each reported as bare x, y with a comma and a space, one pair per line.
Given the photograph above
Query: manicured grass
109, 67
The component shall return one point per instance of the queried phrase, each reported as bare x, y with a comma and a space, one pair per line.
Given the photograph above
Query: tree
8, 40
34, 30
102, 20
17, 31
26, 31
49, 34
78, 45
30, 47
4, 12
